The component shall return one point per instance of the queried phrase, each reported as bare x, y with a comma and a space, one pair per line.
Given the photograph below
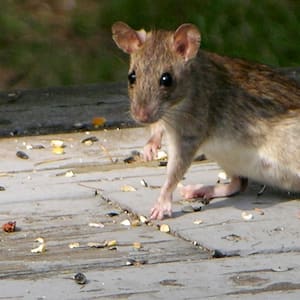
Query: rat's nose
142, 115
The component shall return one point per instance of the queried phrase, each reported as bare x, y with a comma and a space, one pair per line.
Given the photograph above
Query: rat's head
158, 67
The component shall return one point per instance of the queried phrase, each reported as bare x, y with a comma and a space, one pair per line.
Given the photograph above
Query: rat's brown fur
244, 115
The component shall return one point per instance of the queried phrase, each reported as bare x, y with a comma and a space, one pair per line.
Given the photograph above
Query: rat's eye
132, 77
166, 79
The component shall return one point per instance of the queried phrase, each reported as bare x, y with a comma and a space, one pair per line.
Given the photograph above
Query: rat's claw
150, 150
160, 210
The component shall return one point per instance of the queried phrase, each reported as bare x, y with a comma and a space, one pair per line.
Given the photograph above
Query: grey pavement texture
56, 197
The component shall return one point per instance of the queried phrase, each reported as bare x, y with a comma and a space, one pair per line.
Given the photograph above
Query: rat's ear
187, 41
127, 38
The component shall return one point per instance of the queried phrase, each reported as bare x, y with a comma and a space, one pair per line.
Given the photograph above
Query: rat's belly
254, 163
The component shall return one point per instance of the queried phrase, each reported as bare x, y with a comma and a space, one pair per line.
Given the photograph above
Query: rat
243, 115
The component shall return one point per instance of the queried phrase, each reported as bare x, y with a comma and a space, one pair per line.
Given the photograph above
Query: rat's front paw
161, 209
150, 150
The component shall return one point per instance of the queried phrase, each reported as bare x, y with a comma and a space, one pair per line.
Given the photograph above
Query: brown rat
244, 115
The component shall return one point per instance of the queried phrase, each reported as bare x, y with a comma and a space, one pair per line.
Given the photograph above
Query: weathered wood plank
65, 109
46, 203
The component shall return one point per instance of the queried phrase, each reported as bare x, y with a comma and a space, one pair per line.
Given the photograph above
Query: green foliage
43, 46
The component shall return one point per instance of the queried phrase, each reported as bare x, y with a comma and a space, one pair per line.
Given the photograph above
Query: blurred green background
66, 42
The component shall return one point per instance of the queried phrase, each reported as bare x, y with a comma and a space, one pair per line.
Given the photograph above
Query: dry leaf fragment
259, 210
128, 188
98, 121
164, 228
9, 226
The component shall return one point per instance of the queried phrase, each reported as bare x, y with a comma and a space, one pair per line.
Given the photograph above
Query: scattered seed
222, 176
2, 188
69, 174
112, 214
34, 147
22, 155
9, 226
126, 222
198, 222
135, 223
111, 243
137, 245
97, 245
161, 155
112, 248
164, 228
279, 228
128, 188
144, 183
80, 278
58, 150
262, 190
130, 262
232, 237
143, 219
134, 262
98, 225
89, 140
74, 245
41, 248
247, 216
57, 143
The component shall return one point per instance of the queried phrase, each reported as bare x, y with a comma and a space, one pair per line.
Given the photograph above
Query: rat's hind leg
208, 192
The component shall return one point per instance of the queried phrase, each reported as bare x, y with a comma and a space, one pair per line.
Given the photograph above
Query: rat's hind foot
208, 192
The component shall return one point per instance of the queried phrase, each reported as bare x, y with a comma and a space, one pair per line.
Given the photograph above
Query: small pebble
80, 278
22, 155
